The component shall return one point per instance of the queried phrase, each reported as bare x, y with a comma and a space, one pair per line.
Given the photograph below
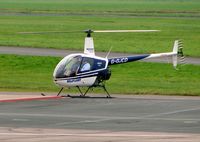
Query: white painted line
171, 112
191, 122
109, 118
101, 134
81, 122
23, 120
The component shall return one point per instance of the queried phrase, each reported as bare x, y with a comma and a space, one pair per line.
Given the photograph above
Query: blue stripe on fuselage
79, 76
121, 60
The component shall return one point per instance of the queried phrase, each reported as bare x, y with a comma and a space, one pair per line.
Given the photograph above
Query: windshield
68, 67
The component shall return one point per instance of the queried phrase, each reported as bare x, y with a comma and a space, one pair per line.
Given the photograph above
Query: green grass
155, 78
186, 29
26, 73
178, 19
97, 6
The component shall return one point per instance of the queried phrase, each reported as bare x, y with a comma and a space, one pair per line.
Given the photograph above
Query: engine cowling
103, 75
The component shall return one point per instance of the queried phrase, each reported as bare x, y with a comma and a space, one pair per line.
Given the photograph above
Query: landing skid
56, 95
83, 94
91, 87
88, 97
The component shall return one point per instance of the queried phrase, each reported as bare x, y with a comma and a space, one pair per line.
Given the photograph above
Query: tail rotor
178, 57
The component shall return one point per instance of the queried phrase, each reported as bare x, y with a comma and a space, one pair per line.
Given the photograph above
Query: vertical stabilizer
89, 46
178, 53
175, 51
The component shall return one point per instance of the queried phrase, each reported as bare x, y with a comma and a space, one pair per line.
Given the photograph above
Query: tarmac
144, 118
30, 117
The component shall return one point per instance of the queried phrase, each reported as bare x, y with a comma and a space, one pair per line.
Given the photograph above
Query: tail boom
177, 50
157, 55
121, 60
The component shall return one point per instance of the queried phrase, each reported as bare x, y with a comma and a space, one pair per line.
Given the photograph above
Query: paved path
62, 53
123, 118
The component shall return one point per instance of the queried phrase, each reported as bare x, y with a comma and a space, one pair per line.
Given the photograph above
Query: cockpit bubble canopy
77, 64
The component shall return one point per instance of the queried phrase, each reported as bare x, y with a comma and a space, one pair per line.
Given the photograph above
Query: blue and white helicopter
88, 70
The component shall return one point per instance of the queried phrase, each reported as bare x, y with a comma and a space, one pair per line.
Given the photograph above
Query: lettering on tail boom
121, 60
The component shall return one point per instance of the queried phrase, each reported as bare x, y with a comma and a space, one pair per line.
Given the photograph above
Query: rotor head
89, 31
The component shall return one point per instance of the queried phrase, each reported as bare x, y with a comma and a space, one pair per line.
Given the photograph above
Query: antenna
109, 52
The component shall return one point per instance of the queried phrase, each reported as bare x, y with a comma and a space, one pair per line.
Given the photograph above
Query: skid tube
91, 87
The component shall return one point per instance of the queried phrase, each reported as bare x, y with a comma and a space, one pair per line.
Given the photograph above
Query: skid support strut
80, 91
60, 91
108, 95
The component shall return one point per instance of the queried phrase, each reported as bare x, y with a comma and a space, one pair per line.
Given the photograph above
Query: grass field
178, 19
26, 73
96, 6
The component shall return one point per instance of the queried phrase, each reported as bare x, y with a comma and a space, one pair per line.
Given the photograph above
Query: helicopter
88, 70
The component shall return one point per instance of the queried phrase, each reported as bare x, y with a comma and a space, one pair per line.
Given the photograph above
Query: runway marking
191, 122
22, 120
109, 118
109, 134
172, 112
80, 122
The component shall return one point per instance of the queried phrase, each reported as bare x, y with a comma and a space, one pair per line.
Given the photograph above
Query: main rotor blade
48, 32
90, 31
124, 31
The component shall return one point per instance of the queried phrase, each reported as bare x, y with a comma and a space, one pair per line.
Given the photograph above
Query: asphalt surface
62, 53
126, 118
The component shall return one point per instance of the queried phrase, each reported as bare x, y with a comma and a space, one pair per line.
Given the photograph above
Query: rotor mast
89, 43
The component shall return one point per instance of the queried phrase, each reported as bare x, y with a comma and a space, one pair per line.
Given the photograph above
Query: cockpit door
91, 65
